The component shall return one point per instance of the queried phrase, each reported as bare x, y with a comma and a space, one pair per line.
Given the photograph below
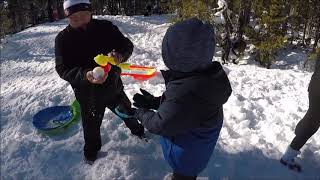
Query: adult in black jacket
309, 124
75, 48
189, 114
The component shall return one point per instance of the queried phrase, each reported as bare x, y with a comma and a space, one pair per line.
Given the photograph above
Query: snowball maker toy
136, 71
104, 63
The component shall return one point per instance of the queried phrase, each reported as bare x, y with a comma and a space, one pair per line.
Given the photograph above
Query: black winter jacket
191, 100
75, 51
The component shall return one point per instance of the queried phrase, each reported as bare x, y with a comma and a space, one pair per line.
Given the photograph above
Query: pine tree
192, 8
271, 34
5, 22
243, 16
17, 14
315, 22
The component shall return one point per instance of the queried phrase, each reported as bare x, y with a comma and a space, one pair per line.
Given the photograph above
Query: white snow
222, 4
260, 115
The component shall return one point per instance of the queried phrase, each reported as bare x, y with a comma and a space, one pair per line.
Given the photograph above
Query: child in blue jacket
189, 114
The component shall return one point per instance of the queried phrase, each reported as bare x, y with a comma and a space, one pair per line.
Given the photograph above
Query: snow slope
260, 116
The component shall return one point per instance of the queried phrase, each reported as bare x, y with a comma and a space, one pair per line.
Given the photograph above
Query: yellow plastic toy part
124, 65
103, 60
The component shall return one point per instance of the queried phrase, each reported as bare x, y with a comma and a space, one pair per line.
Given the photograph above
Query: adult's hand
117, 56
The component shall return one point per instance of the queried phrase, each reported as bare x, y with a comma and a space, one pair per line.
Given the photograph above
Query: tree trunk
228, 24
33, 13
317, 38
50, 11
12, 16
60, 9
304, 32
15, 14
244, 17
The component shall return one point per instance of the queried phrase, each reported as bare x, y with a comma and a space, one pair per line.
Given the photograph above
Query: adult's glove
146, 100
127, 115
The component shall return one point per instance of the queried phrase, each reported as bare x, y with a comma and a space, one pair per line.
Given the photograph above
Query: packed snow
259, 123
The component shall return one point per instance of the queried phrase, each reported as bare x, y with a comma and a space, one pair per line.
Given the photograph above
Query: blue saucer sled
54, 120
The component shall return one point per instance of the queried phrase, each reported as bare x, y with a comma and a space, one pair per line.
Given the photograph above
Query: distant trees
268, 24
16, 15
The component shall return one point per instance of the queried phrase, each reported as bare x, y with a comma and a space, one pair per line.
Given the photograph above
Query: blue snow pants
188, 154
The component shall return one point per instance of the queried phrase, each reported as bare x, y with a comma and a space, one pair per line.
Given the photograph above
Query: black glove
135, 127
146, 100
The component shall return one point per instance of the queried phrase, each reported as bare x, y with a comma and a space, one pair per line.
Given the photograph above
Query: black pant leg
91, 121
310, 123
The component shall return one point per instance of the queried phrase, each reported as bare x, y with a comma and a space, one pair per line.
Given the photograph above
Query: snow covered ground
260, 116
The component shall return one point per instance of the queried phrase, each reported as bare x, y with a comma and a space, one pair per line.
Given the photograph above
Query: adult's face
79, 19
